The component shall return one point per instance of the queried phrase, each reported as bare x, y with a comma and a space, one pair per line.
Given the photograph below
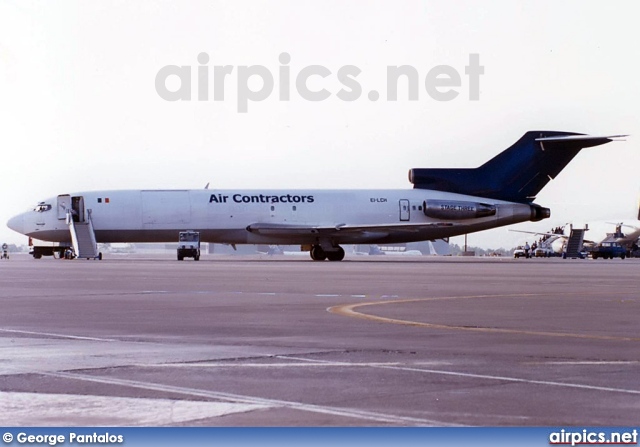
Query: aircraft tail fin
516, 174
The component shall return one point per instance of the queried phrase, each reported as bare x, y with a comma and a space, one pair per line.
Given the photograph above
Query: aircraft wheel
336, 255
317, 253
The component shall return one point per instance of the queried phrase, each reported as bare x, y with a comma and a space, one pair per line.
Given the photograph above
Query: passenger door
64, 205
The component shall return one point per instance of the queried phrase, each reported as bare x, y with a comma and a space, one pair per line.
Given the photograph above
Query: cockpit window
42, 207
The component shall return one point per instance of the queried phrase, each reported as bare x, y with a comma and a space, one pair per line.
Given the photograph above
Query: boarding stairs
574, 243
83, 238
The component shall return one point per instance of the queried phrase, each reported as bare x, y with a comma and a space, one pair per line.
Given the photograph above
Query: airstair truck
189, 245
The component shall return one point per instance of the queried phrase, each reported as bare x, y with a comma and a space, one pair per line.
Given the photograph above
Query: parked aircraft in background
556, 242
442, 203
550, 243
625, 234
120, 248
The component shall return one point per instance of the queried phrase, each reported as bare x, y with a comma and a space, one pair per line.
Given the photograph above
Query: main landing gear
319, 254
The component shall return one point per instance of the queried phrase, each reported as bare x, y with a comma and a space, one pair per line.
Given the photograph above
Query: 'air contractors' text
261, 198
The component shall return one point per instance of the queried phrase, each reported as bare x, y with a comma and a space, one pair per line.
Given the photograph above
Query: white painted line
41, 409
335, 411
614, 362
262, 365
518, 380
504, 378
373, 364
47, 334
326, 295
301, 359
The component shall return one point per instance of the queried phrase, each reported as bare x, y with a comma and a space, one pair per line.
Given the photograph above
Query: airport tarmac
145, 340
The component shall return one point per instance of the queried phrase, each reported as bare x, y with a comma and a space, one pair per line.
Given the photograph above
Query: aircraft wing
274, 229
539, 233
635, 228
585, 241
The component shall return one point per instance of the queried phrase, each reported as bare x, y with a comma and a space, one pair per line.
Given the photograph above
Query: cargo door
166, 207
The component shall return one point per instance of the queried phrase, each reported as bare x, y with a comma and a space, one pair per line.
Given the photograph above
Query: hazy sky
79, 108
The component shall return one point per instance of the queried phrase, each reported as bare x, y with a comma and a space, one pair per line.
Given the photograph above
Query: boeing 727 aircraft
442, 203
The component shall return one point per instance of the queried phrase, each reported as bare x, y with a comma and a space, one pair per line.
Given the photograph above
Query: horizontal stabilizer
605, 139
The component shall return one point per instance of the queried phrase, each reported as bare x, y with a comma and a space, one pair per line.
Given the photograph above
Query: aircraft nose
17, 223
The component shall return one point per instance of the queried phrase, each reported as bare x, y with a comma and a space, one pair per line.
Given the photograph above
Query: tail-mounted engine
455, 209
538, 213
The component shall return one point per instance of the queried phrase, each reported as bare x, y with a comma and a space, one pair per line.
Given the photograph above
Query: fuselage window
294, 208
273, 208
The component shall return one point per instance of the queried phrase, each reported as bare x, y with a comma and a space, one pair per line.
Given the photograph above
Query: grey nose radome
17, 223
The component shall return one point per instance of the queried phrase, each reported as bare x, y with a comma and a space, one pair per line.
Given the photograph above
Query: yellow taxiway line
348, 310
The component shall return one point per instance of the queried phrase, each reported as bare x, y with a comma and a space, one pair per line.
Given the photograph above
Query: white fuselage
224, 216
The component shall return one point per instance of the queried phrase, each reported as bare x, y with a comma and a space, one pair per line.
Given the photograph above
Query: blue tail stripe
516, 174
